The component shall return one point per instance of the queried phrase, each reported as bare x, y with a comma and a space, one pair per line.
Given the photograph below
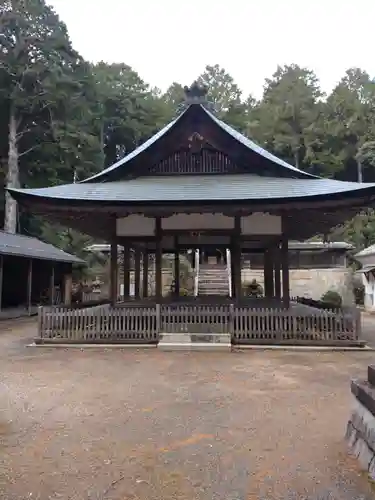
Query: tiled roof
25, 246
246, 187
250, 145
366, 251
320, 245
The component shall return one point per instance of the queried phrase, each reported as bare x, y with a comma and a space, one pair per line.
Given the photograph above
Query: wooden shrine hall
199, 184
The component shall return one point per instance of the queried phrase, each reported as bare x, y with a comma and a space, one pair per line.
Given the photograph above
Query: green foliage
332, 298
74, 118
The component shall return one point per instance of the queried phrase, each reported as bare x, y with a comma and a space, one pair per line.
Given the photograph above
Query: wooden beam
145, 274
1, 279
277, 271
158, 260
52, 285
176, 267
68, 285
126, 271
113, 273
237, 265
268, 273
29, 285
285, 270
137, 273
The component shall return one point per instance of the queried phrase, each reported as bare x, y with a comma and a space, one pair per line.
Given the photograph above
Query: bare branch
25, 131
28, 150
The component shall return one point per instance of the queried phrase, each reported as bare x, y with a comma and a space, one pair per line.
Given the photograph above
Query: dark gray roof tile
25, 246
196, 188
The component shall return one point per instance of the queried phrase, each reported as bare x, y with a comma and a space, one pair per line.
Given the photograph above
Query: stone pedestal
360, 432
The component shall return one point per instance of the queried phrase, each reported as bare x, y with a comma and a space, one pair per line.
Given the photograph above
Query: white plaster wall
261, 223
369, 284
255, 224
197, 221
311, 283
135, 225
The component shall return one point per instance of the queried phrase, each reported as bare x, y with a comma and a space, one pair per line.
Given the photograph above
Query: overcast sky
173, 40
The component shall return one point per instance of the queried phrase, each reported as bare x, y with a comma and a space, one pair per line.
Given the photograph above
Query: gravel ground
135, 425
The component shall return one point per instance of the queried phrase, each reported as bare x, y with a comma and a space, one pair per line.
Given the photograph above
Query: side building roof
25, 246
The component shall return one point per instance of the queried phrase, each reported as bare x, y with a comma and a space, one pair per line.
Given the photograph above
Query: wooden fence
142, 323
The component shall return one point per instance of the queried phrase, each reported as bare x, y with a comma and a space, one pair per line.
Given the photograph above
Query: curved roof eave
247, 188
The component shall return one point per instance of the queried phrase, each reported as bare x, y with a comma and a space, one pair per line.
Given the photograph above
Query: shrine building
199, 185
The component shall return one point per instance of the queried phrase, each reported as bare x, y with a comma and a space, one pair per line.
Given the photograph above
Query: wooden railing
143, 323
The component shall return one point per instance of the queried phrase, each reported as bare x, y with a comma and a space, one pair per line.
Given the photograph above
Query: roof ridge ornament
196, 93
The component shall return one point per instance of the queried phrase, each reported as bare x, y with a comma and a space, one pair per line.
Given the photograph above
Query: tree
174, 95
222, 90
346, 121
287, 111
37, 77
129, 111
365, 158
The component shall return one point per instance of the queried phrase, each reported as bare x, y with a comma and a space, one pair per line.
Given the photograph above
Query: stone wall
312, 283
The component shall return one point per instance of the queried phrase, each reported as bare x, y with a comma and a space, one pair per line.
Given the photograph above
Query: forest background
63, 118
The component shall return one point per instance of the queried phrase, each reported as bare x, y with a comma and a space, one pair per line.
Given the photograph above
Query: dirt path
128, 425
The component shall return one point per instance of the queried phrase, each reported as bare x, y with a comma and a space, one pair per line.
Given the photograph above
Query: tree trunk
359, 171
296, 158
12, 178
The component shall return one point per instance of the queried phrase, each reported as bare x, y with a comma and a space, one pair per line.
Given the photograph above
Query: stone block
365, 394
371, 375
360, 436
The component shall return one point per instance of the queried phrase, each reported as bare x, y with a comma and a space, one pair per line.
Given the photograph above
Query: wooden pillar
52, 285
1, 280
126, 271
137, 273
285, 270
176, 268
158, 259
268, 274
236, 257
145, 273
232, 268
68, 285
277, 270
113, 273
29, 285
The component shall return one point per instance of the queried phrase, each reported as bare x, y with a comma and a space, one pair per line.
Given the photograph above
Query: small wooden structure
32, 273
199, 184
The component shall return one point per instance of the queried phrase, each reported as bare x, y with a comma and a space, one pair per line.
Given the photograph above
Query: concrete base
195, 342
194, 346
